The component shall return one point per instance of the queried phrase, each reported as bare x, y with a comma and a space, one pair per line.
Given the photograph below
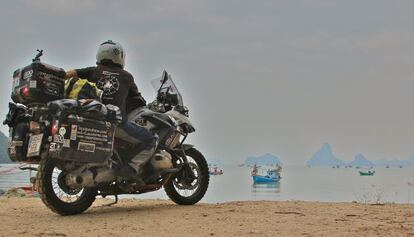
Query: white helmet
111, 51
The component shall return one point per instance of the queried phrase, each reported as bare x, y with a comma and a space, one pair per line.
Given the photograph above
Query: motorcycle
70, 178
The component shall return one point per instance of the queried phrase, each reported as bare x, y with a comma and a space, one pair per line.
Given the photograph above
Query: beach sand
132, 217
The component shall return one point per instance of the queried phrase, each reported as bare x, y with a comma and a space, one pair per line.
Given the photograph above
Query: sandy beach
29, 217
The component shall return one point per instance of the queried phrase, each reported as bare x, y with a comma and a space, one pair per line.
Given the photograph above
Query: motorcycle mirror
164, 76
164, 79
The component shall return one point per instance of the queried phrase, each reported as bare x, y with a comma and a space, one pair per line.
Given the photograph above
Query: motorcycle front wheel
56, 195
189, 188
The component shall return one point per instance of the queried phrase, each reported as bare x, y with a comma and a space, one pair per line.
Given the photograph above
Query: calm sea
297, 183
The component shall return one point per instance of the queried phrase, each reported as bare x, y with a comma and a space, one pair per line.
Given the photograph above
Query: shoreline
137, 217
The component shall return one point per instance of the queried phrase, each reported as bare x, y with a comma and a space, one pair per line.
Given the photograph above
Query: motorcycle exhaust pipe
90, 178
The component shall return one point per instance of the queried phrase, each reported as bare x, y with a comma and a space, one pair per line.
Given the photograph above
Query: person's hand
70, 74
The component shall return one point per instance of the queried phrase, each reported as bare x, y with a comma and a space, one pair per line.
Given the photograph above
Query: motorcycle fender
187, 147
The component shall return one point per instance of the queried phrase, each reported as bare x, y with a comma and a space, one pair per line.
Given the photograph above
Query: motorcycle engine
162, 160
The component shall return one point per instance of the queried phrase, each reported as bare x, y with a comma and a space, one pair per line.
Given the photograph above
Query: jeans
146, 143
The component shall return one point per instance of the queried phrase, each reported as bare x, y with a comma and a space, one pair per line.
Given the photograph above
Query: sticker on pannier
66, 143
73, 132
88, 147
58, 138
12, 150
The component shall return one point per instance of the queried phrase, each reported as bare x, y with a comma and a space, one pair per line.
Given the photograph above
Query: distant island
324, 157
395, 162
361, 161
264, 160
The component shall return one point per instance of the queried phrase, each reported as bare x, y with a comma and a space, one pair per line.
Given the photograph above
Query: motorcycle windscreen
168, 85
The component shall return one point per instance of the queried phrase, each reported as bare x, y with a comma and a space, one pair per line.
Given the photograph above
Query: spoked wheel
189, 186
56, 195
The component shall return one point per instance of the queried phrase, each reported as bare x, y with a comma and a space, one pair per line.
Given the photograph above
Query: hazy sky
258, 76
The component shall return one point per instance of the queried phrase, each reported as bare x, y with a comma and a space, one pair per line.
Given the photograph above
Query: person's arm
134, 99
84, 73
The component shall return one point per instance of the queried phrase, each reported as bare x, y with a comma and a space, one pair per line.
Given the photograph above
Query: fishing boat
272, 175
215, 171
367, 173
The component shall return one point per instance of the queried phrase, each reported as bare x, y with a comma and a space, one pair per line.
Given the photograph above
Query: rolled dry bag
76, 88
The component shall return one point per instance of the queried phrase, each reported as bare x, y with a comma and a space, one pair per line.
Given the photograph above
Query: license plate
35, 142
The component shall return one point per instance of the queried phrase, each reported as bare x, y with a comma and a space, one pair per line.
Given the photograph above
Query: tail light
55, 127
25, 91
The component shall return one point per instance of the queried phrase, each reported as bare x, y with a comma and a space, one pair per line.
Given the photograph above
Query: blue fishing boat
272, 176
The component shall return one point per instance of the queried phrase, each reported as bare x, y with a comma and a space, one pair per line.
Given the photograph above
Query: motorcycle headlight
173, 140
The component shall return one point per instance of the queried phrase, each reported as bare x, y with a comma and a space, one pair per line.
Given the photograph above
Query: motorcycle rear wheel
177, 190
46, 186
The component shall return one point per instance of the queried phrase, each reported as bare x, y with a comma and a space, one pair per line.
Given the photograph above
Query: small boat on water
272, 175
215, 171
366, 173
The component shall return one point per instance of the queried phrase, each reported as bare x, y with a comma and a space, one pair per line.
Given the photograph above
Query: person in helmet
120, 89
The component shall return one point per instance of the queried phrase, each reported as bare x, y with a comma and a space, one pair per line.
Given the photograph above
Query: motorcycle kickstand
112, 203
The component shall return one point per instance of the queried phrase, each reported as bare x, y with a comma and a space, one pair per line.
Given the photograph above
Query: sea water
393, 185
11, 176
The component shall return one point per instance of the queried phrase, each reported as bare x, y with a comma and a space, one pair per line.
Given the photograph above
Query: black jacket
118, 86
